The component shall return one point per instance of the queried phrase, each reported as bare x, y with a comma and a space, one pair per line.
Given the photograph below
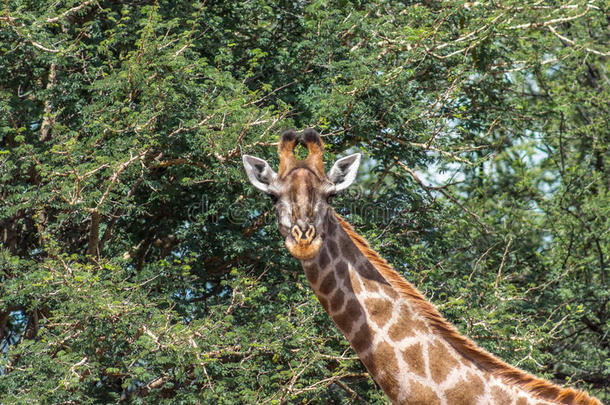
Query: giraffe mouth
303, 249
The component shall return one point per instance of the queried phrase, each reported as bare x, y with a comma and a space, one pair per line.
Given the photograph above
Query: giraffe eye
329, 198
273, 198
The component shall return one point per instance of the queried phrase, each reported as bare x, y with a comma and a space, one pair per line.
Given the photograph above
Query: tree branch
47, 121
445, 193
68, 12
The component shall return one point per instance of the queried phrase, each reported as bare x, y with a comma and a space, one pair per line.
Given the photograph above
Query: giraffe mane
539, 387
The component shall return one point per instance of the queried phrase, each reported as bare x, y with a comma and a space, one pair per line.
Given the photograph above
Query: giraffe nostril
311, 232
296, 232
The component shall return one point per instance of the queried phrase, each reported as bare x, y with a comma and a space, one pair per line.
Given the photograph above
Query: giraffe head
301, 190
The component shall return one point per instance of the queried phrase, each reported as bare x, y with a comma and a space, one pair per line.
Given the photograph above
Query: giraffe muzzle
305, 237
303, 245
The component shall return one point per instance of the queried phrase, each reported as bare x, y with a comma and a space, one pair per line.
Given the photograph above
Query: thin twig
504, 255
476, 265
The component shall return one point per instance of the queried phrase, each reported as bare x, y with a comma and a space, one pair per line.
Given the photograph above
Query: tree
138, 266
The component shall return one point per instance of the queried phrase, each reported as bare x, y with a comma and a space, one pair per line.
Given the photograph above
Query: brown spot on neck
336, 301
350, 316
419, 394
379, 310
363, 339
311, 273
323, 259
500, 395
441, 361
522, 401
414, 357
386, 369
329, 283
466, 392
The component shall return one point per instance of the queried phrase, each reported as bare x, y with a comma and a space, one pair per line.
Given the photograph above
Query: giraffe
413, 353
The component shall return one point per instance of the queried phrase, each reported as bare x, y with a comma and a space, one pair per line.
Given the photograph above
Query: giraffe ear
259, 172
344, 171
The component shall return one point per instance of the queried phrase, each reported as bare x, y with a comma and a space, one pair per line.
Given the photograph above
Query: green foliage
137, 265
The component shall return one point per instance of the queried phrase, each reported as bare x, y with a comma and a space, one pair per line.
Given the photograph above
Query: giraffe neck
403, 341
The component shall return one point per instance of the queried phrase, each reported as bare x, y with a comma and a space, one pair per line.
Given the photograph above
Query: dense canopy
138, 265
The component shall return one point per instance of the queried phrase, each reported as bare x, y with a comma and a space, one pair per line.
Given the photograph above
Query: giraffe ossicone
414, 354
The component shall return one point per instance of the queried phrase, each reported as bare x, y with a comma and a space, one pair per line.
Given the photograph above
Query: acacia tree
138, 266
